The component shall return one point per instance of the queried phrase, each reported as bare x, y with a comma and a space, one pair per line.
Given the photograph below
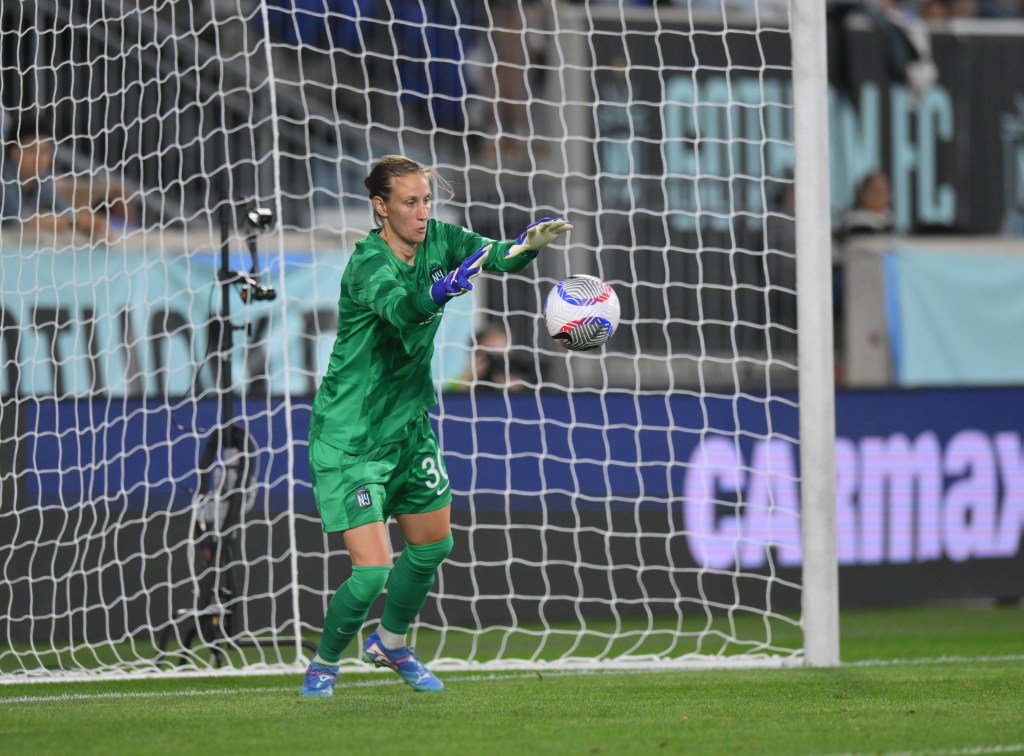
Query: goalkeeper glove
538, 235
460, 280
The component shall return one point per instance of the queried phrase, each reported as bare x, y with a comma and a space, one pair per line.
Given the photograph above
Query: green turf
935, 680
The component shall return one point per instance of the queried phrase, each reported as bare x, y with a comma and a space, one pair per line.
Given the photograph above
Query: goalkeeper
372, 451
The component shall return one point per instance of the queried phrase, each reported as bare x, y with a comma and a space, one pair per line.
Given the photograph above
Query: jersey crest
436, 274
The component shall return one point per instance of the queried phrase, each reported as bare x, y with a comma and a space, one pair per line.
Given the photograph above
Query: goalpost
665, 501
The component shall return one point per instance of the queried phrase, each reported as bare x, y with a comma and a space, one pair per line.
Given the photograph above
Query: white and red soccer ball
582, 312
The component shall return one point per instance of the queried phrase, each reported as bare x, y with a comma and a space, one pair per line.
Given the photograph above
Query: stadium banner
142, 322
930, 483
952, 149
954, 317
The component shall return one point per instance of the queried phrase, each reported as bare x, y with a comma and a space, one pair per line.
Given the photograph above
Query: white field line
966, 751
933, 660
293, 686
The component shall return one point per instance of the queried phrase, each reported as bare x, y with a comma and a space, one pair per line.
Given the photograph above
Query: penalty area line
963, 751
934, 660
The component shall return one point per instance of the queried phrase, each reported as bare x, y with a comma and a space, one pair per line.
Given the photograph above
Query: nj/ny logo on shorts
363, 498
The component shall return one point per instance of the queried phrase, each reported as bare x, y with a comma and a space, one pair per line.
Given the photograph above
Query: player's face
406, 212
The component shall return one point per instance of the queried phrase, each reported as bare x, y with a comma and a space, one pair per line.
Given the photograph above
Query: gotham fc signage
707, 148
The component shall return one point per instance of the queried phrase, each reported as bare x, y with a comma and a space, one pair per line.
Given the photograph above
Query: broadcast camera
260, 220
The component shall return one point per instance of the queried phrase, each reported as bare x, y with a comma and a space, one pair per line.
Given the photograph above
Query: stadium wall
930, 503
933, 311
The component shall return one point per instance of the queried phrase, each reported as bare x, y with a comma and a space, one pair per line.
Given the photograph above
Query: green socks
411, 581
348, 609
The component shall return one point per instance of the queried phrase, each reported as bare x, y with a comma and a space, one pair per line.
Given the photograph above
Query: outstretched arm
511, 257
538, 235
506, 256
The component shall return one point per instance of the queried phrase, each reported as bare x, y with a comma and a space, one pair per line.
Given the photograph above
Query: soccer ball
582, 312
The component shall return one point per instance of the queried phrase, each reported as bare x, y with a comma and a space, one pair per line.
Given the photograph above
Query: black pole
226, 341
226, 218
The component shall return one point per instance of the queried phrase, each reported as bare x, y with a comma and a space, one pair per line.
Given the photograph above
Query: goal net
182, 186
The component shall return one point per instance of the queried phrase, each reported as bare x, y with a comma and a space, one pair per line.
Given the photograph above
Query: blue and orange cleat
320, 681
405, 662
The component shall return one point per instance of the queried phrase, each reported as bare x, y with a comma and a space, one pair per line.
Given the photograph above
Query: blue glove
460, 280
538, 235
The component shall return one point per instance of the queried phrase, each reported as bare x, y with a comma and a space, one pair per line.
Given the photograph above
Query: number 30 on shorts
437, 476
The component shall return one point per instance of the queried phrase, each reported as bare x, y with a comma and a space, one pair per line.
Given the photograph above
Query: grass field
931, 680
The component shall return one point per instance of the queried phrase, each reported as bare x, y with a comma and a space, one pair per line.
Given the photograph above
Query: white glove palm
538, 235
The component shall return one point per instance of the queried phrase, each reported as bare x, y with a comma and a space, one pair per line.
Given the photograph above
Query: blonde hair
389, 167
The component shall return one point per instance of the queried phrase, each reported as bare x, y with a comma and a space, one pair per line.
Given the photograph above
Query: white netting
636, 505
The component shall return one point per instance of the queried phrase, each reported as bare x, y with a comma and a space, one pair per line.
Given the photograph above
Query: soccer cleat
320, 681
405, 662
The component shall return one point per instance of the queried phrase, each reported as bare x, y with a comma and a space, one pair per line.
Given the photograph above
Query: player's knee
429, 556
367, 583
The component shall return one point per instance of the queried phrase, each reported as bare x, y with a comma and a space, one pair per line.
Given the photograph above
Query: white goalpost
182, 187
820, 595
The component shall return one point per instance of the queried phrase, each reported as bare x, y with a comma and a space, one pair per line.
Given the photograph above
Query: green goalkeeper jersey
378, 380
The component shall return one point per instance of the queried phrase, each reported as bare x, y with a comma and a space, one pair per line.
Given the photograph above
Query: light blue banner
139, 322
956, 319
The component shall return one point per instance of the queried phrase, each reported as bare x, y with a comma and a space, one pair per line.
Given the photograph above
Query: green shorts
407, 477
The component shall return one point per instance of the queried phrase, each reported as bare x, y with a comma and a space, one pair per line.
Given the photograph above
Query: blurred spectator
31, 198
107, 202
494, 366
28, 194
510, 73
501, 66
934, 10
906, 39
871, 214
942, 10
872, 208
780, 255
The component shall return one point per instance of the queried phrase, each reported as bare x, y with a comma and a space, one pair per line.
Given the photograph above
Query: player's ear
380, 207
